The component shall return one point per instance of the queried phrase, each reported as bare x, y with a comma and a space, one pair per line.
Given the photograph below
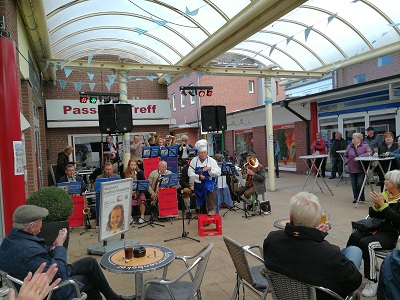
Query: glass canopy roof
304, 36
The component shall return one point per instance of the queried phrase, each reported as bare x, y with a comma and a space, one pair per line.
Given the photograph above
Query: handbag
367, 225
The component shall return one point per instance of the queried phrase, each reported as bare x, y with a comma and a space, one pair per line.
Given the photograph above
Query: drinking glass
369, 151
324, 217
128, 249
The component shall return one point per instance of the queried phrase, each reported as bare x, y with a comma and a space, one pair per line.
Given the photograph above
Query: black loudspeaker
124, 118
213, 118
209, 118
221, 117
107, 122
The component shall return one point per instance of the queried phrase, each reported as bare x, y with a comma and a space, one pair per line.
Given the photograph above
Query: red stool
204, 219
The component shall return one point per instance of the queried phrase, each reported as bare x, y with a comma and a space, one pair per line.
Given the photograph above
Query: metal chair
283, 287
9, 281
247, 275
160, 288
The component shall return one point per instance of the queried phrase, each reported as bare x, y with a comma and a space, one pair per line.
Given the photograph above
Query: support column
123, 96
270, 134
12, 186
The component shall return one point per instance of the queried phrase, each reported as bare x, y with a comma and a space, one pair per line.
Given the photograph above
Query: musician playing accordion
203, 170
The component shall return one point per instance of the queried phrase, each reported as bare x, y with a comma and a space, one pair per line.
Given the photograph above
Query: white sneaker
370, 289
141, 220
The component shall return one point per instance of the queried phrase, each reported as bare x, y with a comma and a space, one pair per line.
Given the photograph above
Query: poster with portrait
115, 207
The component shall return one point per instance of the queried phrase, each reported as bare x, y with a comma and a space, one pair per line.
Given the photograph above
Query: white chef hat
201, 145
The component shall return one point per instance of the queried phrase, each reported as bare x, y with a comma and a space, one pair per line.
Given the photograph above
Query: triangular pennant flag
289, 39
90, 57
91, 85
90, 75
151, 78
111, 79
272, 49
108, 85
193, 12
63, 84
159, 22
140, 31
47, 64
394, 24
307, 31
185, 75
138, 79
67, 72
384, 33
55, 67
331, 17
213, 73
168, 79
354, 1
130, 77
199, 74
78, 86
61, 65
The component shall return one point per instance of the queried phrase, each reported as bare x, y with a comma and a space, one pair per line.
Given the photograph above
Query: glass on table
128, 250
375, 151
369, 151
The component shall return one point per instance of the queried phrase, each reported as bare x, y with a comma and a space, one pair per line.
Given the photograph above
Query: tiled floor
220, 276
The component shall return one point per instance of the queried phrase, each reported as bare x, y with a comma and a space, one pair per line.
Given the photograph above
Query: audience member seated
187, 186
154, 180
385, 206
138, 198
71, 176
301, 251
389, 276
108, 171
386, 147
22, 252
254, 172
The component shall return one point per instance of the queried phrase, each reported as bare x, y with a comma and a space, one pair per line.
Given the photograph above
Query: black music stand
150, 151
170, 181
228, 169
139, 185
153, 213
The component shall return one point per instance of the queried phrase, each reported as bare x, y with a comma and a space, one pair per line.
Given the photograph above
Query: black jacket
338, 145
184, 178
62, 162
302, 253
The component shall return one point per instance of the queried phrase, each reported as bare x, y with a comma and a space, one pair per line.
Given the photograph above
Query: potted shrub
60, 206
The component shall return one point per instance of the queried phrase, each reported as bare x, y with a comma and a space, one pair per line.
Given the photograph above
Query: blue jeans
354, 254
356, 184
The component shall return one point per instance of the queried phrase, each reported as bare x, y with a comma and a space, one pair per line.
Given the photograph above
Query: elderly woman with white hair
355, 149
203, 170
385, 206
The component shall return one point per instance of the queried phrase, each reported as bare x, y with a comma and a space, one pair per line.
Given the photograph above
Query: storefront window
352, 125
328, 127
286, 138
383, 123
244, 141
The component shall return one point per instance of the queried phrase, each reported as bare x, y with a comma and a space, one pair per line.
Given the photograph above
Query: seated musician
108, 171
71, 176
154, 180
254, 172
203, 169
187, 186
138, 198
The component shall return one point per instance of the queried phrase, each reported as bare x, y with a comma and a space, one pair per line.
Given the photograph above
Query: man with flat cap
22, 252
203, 169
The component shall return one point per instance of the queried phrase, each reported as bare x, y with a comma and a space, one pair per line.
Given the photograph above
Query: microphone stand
184, 233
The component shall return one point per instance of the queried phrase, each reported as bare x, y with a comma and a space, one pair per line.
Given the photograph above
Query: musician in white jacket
204, 170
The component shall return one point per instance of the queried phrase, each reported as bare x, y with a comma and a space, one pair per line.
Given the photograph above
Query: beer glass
128, 249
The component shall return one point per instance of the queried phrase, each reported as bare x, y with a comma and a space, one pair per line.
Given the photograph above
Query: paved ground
220, 276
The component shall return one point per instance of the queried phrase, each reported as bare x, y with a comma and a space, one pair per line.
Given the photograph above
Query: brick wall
230, 142
260, 144
371, 70
57, 138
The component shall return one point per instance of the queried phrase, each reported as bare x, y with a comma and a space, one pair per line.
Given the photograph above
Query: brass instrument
86, 213
86, 209
153, 137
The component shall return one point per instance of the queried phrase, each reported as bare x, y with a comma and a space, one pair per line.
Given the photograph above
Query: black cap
370, 128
